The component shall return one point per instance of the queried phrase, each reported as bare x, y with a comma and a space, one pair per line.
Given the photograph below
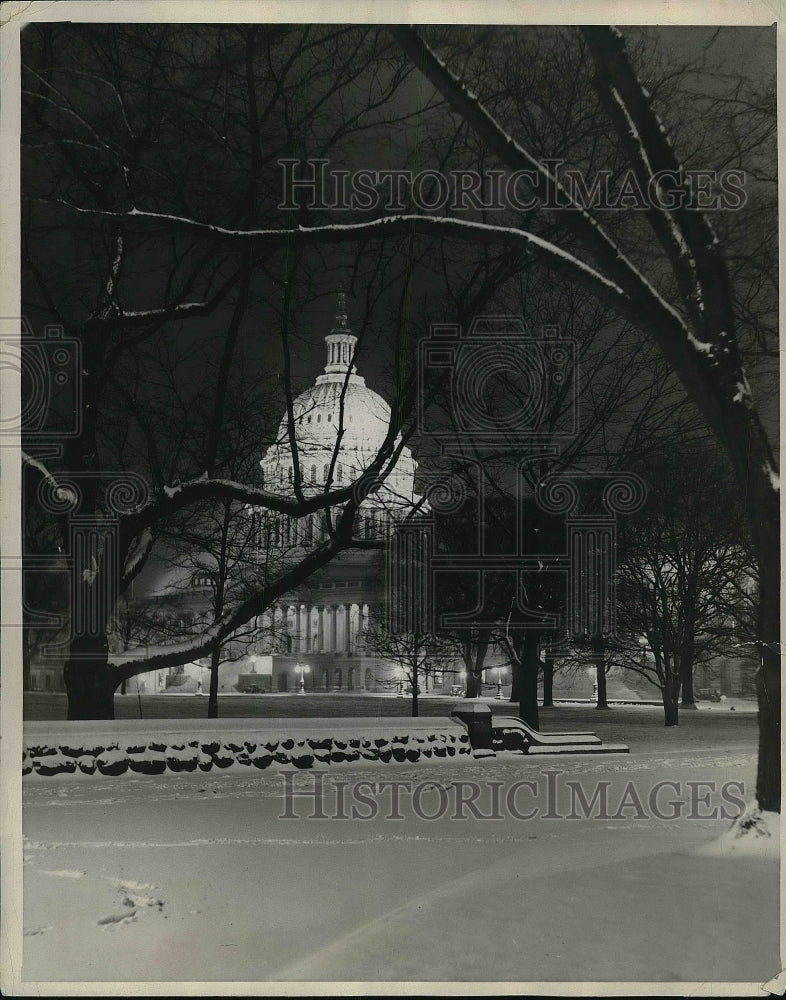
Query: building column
347, 628
279, 624
364, 619
341, 636
320, 629
333, 626
354, 627
304, 616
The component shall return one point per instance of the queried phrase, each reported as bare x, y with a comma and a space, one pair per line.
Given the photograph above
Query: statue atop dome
341, 312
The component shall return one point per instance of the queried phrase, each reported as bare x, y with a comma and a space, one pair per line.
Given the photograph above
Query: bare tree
663, 269
680, 570
417, 654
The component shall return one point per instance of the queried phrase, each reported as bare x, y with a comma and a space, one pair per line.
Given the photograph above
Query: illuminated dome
339, 402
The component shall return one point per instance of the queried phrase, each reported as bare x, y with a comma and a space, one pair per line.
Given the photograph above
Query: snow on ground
754, 834
194, 877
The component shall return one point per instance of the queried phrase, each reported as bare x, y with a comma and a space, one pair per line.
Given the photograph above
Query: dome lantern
341, 349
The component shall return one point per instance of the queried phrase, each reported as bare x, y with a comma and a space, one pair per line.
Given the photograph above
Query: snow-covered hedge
156, 756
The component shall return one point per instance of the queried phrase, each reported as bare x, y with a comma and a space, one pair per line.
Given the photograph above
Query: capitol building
340, 424
318, 633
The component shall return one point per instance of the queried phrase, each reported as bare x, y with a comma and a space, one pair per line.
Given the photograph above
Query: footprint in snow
131, 899
115, 920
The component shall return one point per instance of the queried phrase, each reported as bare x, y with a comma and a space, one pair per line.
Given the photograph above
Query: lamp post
500, 672
303, 669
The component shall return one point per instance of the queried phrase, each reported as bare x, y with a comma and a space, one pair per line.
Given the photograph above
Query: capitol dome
339, 403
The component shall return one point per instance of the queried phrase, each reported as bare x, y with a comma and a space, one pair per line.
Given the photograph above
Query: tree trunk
548, 681
476, 671
212, 701
90, 682
687, 656
415, 680
528, 678
671, 695
599, 658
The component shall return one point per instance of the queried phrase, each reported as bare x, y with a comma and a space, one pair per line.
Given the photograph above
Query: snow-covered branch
685, 233
60, 492
235, 618
136, 558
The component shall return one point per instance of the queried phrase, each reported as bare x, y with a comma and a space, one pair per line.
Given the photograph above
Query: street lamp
303, 669
500, 672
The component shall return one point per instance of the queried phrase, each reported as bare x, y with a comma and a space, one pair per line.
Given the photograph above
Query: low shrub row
155, 756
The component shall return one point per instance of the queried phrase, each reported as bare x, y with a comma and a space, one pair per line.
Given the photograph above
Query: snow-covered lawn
192, 877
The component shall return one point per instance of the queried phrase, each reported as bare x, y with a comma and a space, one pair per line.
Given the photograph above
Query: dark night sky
738, 50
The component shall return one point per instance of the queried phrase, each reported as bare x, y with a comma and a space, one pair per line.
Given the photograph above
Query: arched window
339, 472
327, 471
319, 418
330, 418
313, 473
